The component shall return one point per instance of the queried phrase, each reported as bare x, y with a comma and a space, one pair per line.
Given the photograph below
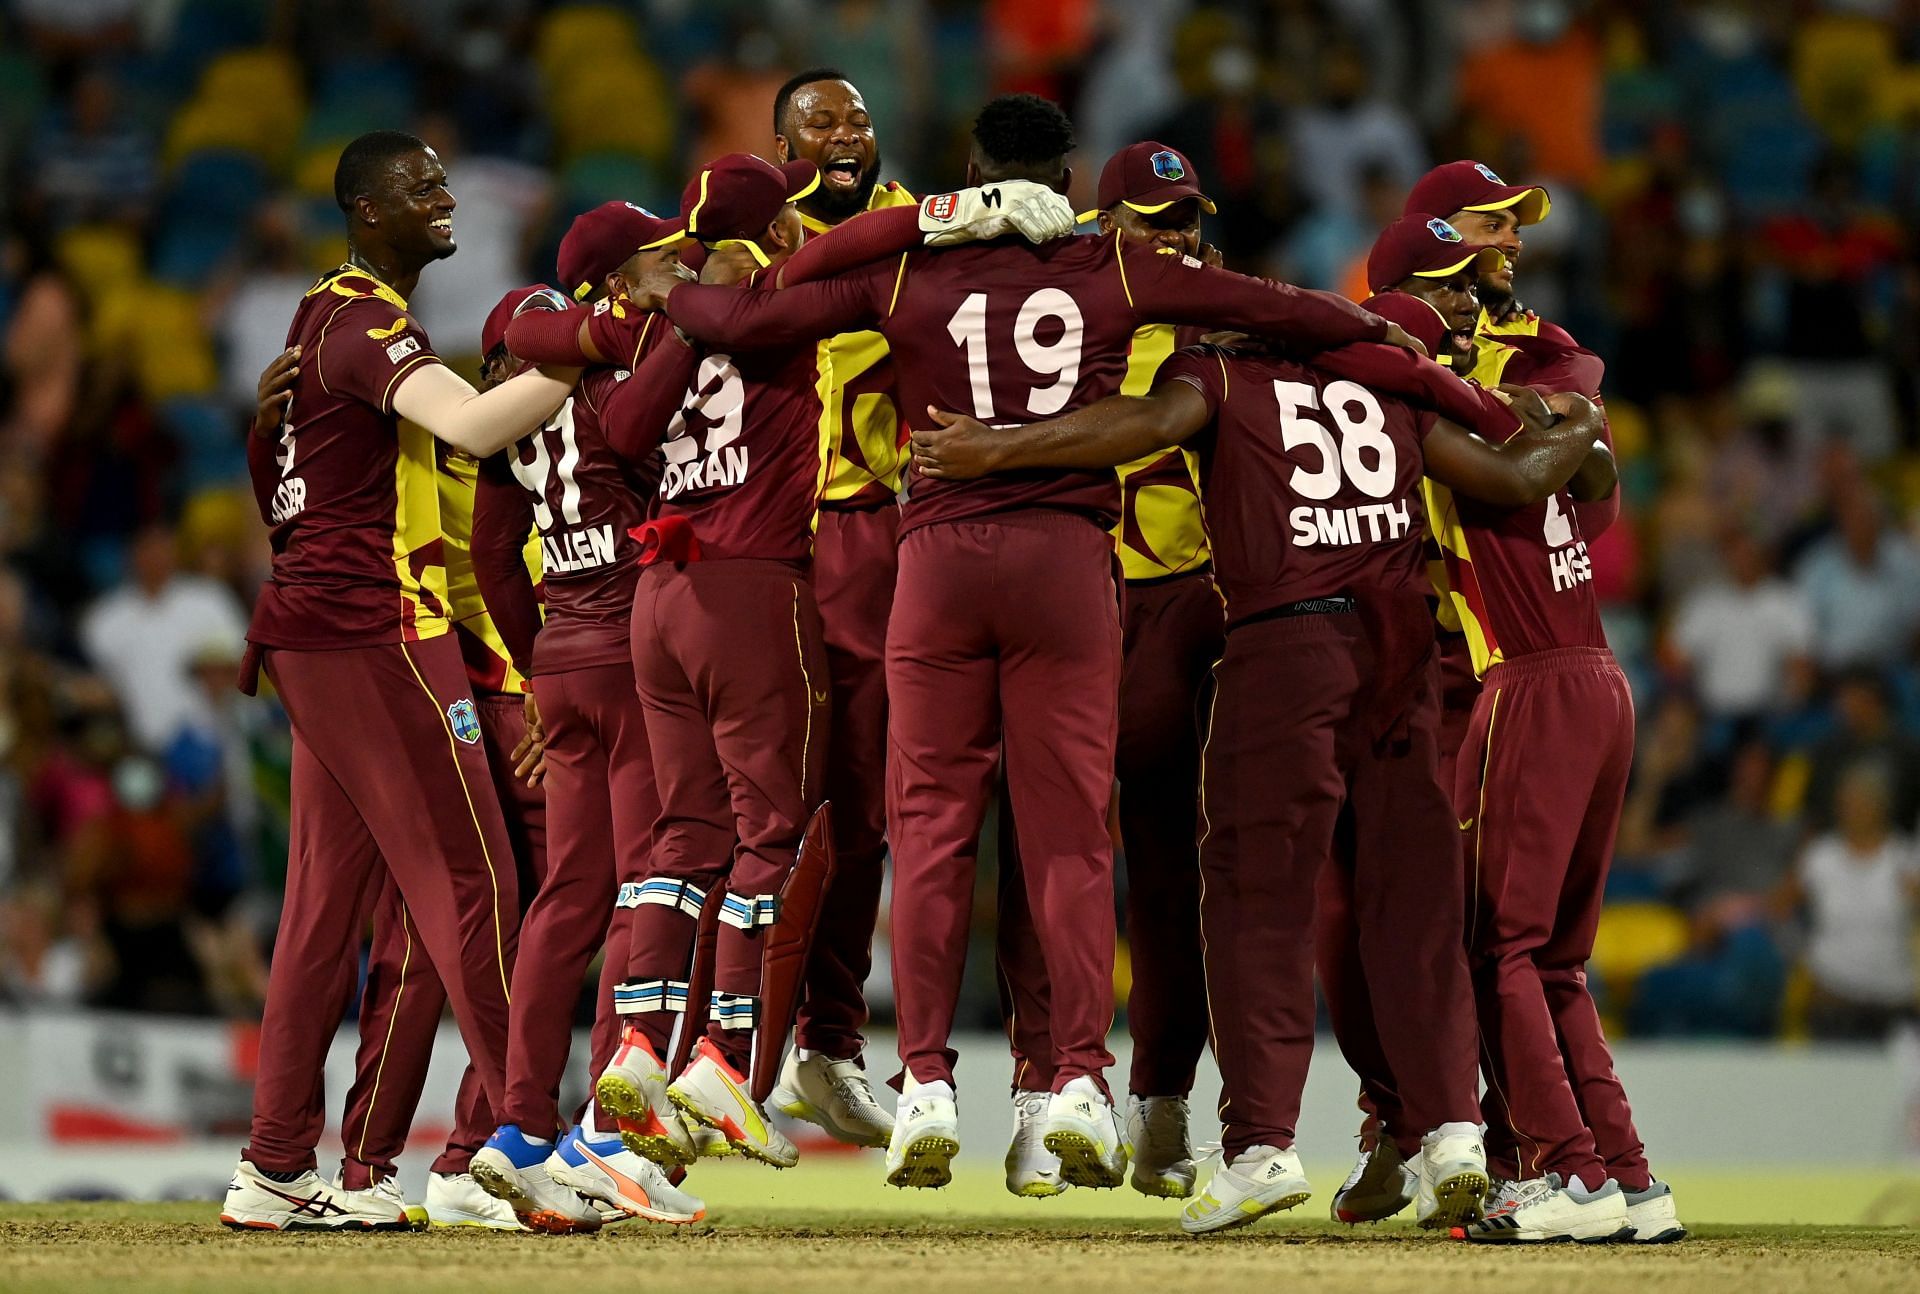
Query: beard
836, 205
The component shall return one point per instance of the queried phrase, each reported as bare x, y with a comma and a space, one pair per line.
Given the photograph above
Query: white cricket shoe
1162, 1153
712, 1093
1543, 1211
255, 1202
926, 1136
1259, 1181
1083, 1131
456, 1200
1033, 1171
633, 1088
832, 1094
383, 1193
605, 1172
1453, 1178
1379, 1186
1652, 1216
513, 1167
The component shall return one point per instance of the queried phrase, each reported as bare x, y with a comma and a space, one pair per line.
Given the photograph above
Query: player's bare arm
1598, 475
1526, 469
1118, 429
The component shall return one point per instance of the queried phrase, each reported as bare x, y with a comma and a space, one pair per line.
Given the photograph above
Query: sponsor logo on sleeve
464, 720
1166, 165
401, 349
942, 206
391, 330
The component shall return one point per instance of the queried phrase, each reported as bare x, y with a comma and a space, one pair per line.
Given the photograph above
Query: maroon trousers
1293, 778
601, 805
1541, 780
388, 776
1343, 980
1005, 635
403, 998
733, 681
1172, 635
855, 560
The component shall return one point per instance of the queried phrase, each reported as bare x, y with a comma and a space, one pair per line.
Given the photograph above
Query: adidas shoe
926, 1136
604, 1172
633, 1088
1379, 1186
1162, 1153
1259, 1181
513, 1167
456, 1200
1652, 1216
1543, 1211
1033, 1171
832, 1094
712, 1093
1452, 1176
256, 1202
1082, 1130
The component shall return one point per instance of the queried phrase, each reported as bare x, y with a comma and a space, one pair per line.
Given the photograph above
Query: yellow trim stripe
1206, 830
806, 681
693, 217
899, 281
1120, 259
750, 245
480, 833
386, 1045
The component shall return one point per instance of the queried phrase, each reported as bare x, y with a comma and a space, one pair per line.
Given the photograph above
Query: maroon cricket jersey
583, 499
740, 458
348, 489
1311, 481
1012, 333
1521, 575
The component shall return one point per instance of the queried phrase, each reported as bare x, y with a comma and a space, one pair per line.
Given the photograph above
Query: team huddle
789, 534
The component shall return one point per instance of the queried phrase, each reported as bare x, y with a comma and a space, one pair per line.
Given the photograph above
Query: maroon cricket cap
1423, 246
600, 241
738, 196
1150, 177
511, 306
1472, 186
1420, 320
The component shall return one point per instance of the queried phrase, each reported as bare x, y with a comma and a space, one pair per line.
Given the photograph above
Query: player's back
350, 490
1011, 333
1311, 481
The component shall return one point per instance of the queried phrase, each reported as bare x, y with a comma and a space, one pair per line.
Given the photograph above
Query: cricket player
567, 483
1005, 632
1171, 636
1311, 486
819, 116
356, 606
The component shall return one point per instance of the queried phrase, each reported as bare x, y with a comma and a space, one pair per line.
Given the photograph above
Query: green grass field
833, 1226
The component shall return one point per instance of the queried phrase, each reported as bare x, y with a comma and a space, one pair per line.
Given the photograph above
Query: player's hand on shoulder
954, 447
1211, 255
1570, 404
726, 266
649, 291
1034, 211
1398, 336
275, 392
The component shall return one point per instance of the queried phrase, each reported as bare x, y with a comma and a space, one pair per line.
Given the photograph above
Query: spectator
1542, 89
1738, 851
41, 334
1863, 584
92, 163
142, 636
1866, 735
1745, 639
1858, 885
1346, 132
254, 302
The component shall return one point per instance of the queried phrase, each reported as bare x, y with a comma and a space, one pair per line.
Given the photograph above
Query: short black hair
783, 98
362, 161
1023, 130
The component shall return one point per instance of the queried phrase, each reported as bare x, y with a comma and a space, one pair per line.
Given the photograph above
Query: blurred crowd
1734, 188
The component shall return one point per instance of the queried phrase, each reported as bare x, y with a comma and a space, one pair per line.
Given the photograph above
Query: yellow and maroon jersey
1519, 579
1160, 531
1523, 323
489, 664
348, 488
859, 426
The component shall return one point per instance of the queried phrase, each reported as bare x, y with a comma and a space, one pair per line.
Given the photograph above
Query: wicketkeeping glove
1033, 211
